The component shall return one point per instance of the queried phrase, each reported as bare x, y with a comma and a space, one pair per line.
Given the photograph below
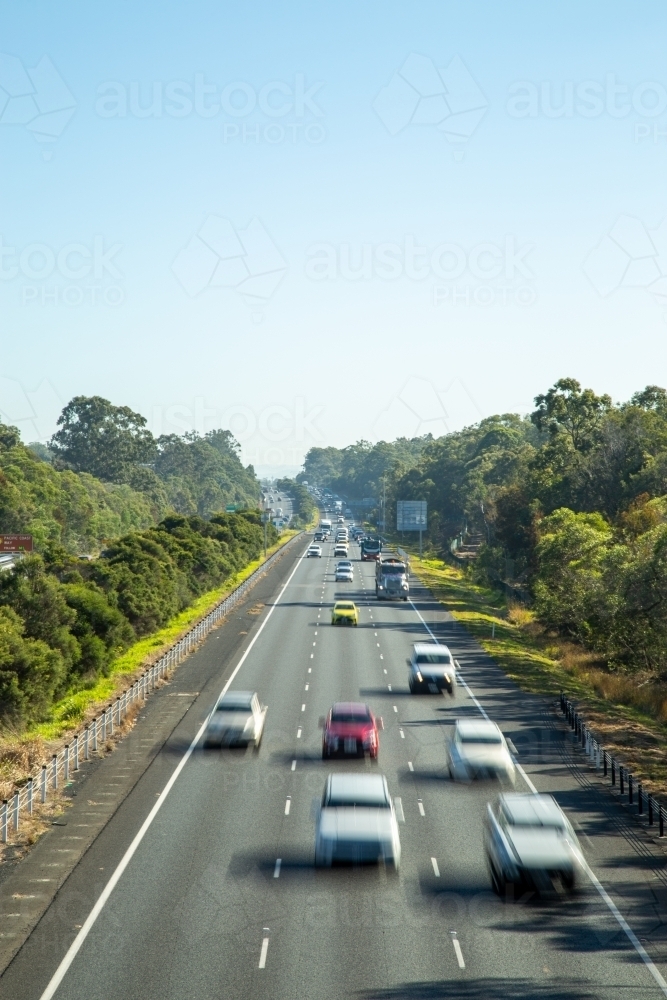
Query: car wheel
495, 882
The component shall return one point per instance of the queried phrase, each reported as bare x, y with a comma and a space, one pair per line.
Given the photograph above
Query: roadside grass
628, 714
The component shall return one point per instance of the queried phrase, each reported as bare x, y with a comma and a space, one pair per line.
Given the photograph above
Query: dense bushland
63, 619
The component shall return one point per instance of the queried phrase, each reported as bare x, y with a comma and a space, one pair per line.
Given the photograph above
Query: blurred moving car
314, 551
344, 613
356, 822
319, 536
344, 572
350, 728
530, 845
431, 668
340, 549
478, 750
238, 720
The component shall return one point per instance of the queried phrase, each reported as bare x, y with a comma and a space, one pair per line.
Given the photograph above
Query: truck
371, 549
391, 579
325, 526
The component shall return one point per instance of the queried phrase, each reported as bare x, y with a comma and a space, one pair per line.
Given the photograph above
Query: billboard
411, 515
15, 543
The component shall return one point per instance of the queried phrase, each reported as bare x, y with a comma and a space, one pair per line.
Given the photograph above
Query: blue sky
354, 233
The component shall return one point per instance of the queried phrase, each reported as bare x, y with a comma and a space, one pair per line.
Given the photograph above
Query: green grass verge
542, 664
73, 708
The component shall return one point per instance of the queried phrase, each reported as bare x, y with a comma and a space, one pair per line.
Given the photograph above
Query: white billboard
411, 515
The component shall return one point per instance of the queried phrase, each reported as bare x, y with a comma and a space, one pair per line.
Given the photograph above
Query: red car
350, 728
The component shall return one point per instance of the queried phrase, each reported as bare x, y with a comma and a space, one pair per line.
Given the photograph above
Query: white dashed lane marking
436, 870
262, 954
457, 950
420, 806
288, 805
276, 870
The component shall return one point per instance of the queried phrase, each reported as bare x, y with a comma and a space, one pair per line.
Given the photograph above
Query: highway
220, 897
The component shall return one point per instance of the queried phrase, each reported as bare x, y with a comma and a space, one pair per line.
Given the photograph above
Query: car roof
531, 809
358, 786
350, 706
430, 647
477, 727
241, 699
345, 605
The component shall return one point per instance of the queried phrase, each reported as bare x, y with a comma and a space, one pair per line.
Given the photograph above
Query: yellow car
345, 613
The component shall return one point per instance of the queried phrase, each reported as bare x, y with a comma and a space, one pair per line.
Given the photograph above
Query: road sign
15, 543
411, 515
230, 508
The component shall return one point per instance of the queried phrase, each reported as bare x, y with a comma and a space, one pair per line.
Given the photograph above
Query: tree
97, 437
567, 409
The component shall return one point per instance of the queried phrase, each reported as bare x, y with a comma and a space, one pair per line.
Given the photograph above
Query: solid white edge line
622, 922
76, 944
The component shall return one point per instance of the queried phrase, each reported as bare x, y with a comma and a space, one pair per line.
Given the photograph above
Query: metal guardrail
93, 736
647, 805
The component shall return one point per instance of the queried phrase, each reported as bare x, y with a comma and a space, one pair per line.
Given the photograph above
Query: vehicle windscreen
393, 570
433, 658
351, 717
345, 607
490, 739
360, 800
233, 706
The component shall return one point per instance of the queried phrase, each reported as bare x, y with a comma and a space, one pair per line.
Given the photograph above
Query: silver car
530, 845
344, 572
238, 720
431, 668
356, 821
478, 750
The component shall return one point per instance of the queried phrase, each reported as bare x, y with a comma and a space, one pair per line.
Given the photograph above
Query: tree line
570, 501
127, 532
63, 620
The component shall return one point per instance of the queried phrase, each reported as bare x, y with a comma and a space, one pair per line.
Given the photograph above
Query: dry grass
18, 762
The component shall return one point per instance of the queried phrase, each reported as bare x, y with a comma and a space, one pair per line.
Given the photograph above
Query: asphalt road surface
220, 898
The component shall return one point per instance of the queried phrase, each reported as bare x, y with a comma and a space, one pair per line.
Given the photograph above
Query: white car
314, 552
530, 844
479, 750
344, 572
431, 668
238, 720
340, 549
356, 821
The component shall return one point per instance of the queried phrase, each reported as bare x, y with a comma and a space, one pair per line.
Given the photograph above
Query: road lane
190, 915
